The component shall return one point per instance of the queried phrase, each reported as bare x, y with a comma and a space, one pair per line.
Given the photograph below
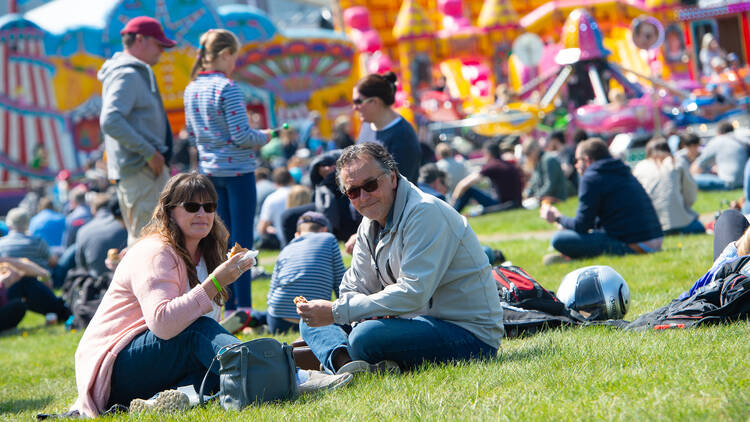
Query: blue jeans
710, 181
65, 263
581, 245
478, 195
408, 342
148, 364
236, 209
275, 325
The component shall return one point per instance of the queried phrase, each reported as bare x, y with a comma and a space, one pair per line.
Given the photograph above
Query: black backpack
527, 306
83, 293
517, 288
725, 299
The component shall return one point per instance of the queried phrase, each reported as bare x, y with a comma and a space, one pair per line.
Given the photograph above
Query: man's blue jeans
38, 298
478, 195
236, 209
581, 245
149, 364
408, 342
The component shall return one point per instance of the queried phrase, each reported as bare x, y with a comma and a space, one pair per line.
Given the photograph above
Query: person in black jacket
328, 198
615, 215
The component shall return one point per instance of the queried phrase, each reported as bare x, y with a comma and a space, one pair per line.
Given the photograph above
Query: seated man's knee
364, 339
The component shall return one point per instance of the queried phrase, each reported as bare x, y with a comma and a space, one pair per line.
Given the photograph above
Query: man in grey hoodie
137, 136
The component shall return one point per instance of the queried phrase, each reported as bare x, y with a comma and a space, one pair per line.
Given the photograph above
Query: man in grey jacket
137, 136
419, 288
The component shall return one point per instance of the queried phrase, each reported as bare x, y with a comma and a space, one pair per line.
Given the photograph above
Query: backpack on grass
527, 306
83, 293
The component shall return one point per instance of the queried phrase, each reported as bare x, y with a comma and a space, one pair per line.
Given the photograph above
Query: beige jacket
672, 191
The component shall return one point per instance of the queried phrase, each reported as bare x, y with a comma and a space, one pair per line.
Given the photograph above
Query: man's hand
350, 243
549, 212
156, 163
316, 313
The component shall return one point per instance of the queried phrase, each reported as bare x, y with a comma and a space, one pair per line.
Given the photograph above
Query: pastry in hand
300, 299
237, 249
113, 254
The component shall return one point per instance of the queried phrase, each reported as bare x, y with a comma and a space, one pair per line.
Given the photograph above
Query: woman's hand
229, 271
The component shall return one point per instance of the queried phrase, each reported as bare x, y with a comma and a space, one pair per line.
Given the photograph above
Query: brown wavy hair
186, 187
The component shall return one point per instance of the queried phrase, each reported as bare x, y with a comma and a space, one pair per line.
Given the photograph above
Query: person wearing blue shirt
48, 223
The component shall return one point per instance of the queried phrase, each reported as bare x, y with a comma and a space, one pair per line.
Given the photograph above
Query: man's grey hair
18, 219
366, 149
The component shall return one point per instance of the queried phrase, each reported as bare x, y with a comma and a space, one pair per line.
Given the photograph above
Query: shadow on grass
527, 353
12, 332
21, 405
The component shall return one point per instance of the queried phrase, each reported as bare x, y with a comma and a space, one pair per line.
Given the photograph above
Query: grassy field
569, 374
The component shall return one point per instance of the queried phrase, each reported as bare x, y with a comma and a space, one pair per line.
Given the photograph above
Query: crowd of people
419, 287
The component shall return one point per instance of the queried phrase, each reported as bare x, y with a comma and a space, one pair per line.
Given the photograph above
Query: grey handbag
255, 371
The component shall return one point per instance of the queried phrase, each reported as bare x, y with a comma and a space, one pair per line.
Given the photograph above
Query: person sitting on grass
547, 181
671, 188
25, 285
149, 333
615, 215
309, 266
419, 288
504, 176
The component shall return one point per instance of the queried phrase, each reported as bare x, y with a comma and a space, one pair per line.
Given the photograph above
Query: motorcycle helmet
597, 292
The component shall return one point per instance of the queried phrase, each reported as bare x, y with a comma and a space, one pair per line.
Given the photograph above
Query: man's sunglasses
369, 186
192, 207
360, 101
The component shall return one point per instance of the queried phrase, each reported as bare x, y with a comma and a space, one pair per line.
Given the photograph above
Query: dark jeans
11, 314
581, 245
38, 298
695, 227
148, 364
408, 342
729, 227
275, 325
478, 195
236, 209
64, 264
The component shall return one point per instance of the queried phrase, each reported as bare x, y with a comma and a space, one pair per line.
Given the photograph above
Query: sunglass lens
370, 186
353, 193
209, 206
191, 206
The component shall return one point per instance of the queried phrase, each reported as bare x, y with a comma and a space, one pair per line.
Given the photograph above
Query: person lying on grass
419, 288
24, 286
150, 334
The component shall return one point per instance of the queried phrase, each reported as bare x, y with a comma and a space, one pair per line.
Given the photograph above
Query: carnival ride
50, 96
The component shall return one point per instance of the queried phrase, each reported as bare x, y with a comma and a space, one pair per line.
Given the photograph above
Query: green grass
569, 374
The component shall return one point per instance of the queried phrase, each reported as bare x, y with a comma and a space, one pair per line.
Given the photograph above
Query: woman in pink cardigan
148, 334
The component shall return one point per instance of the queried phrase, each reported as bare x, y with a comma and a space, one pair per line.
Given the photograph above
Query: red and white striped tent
35, 141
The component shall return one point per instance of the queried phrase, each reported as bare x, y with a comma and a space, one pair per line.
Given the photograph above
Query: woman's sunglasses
360, 101
192, 207
369, 186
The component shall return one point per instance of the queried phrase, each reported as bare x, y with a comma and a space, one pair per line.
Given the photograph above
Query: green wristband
216, 283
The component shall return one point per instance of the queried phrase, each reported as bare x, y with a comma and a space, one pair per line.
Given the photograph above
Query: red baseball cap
148, 26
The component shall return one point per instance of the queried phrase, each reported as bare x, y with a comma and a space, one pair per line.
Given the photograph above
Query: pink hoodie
149, 290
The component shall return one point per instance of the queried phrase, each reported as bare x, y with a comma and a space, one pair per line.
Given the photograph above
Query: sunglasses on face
369, 186
360, 101
193, 207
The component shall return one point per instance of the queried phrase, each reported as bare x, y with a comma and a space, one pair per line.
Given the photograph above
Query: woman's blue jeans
236, 209
149, 364
408, 342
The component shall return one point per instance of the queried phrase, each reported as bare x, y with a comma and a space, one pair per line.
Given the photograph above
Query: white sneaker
317, 381
165, 402
358, 366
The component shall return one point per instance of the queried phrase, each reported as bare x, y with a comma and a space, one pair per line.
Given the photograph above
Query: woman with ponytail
217, 124
373, 97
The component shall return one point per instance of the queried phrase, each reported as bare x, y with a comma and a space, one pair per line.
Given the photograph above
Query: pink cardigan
149, 290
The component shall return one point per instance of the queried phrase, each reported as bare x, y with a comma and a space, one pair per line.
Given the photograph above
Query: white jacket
672, 191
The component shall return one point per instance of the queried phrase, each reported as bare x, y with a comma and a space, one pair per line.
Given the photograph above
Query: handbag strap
243, 365
205, 377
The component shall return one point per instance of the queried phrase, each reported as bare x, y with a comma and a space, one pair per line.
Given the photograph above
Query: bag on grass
83, 293
517, 288
254, 372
